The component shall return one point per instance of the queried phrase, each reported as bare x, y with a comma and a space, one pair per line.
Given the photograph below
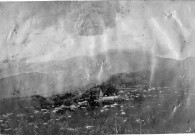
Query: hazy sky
44, 31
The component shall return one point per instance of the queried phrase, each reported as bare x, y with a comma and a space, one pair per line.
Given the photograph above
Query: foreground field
155, 110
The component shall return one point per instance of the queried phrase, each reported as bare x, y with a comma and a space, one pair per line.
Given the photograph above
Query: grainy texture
97, 67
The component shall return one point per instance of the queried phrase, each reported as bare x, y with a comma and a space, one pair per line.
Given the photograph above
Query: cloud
43, 31
92, 18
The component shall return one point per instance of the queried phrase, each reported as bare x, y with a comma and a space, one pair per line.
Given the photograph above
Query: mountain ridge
81, 71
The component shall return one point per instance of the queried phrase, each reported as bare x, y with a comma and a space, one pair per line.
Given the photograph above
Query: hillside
58, 76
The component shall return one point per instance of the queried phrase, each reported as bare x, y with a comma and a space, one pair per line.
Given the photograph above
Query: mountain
26, 84
60, 76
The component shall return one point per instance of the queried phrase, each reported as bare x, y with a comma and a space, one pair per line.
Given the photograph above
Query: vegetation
108, 90
144, 110
150, 115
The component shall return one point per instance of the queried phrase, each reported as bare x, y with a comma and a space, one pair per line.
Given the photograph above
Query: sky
46, 31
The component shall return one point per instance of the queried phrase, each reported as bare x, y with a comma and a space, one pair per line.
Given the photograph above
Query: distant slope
26, 84
57, 76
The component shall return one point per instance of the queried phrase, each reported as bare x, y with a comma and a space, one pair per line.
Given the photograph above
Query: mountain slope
78, 72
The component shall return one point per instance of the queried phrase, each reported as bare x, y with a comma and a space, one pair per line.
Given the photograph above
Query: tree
109, 90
